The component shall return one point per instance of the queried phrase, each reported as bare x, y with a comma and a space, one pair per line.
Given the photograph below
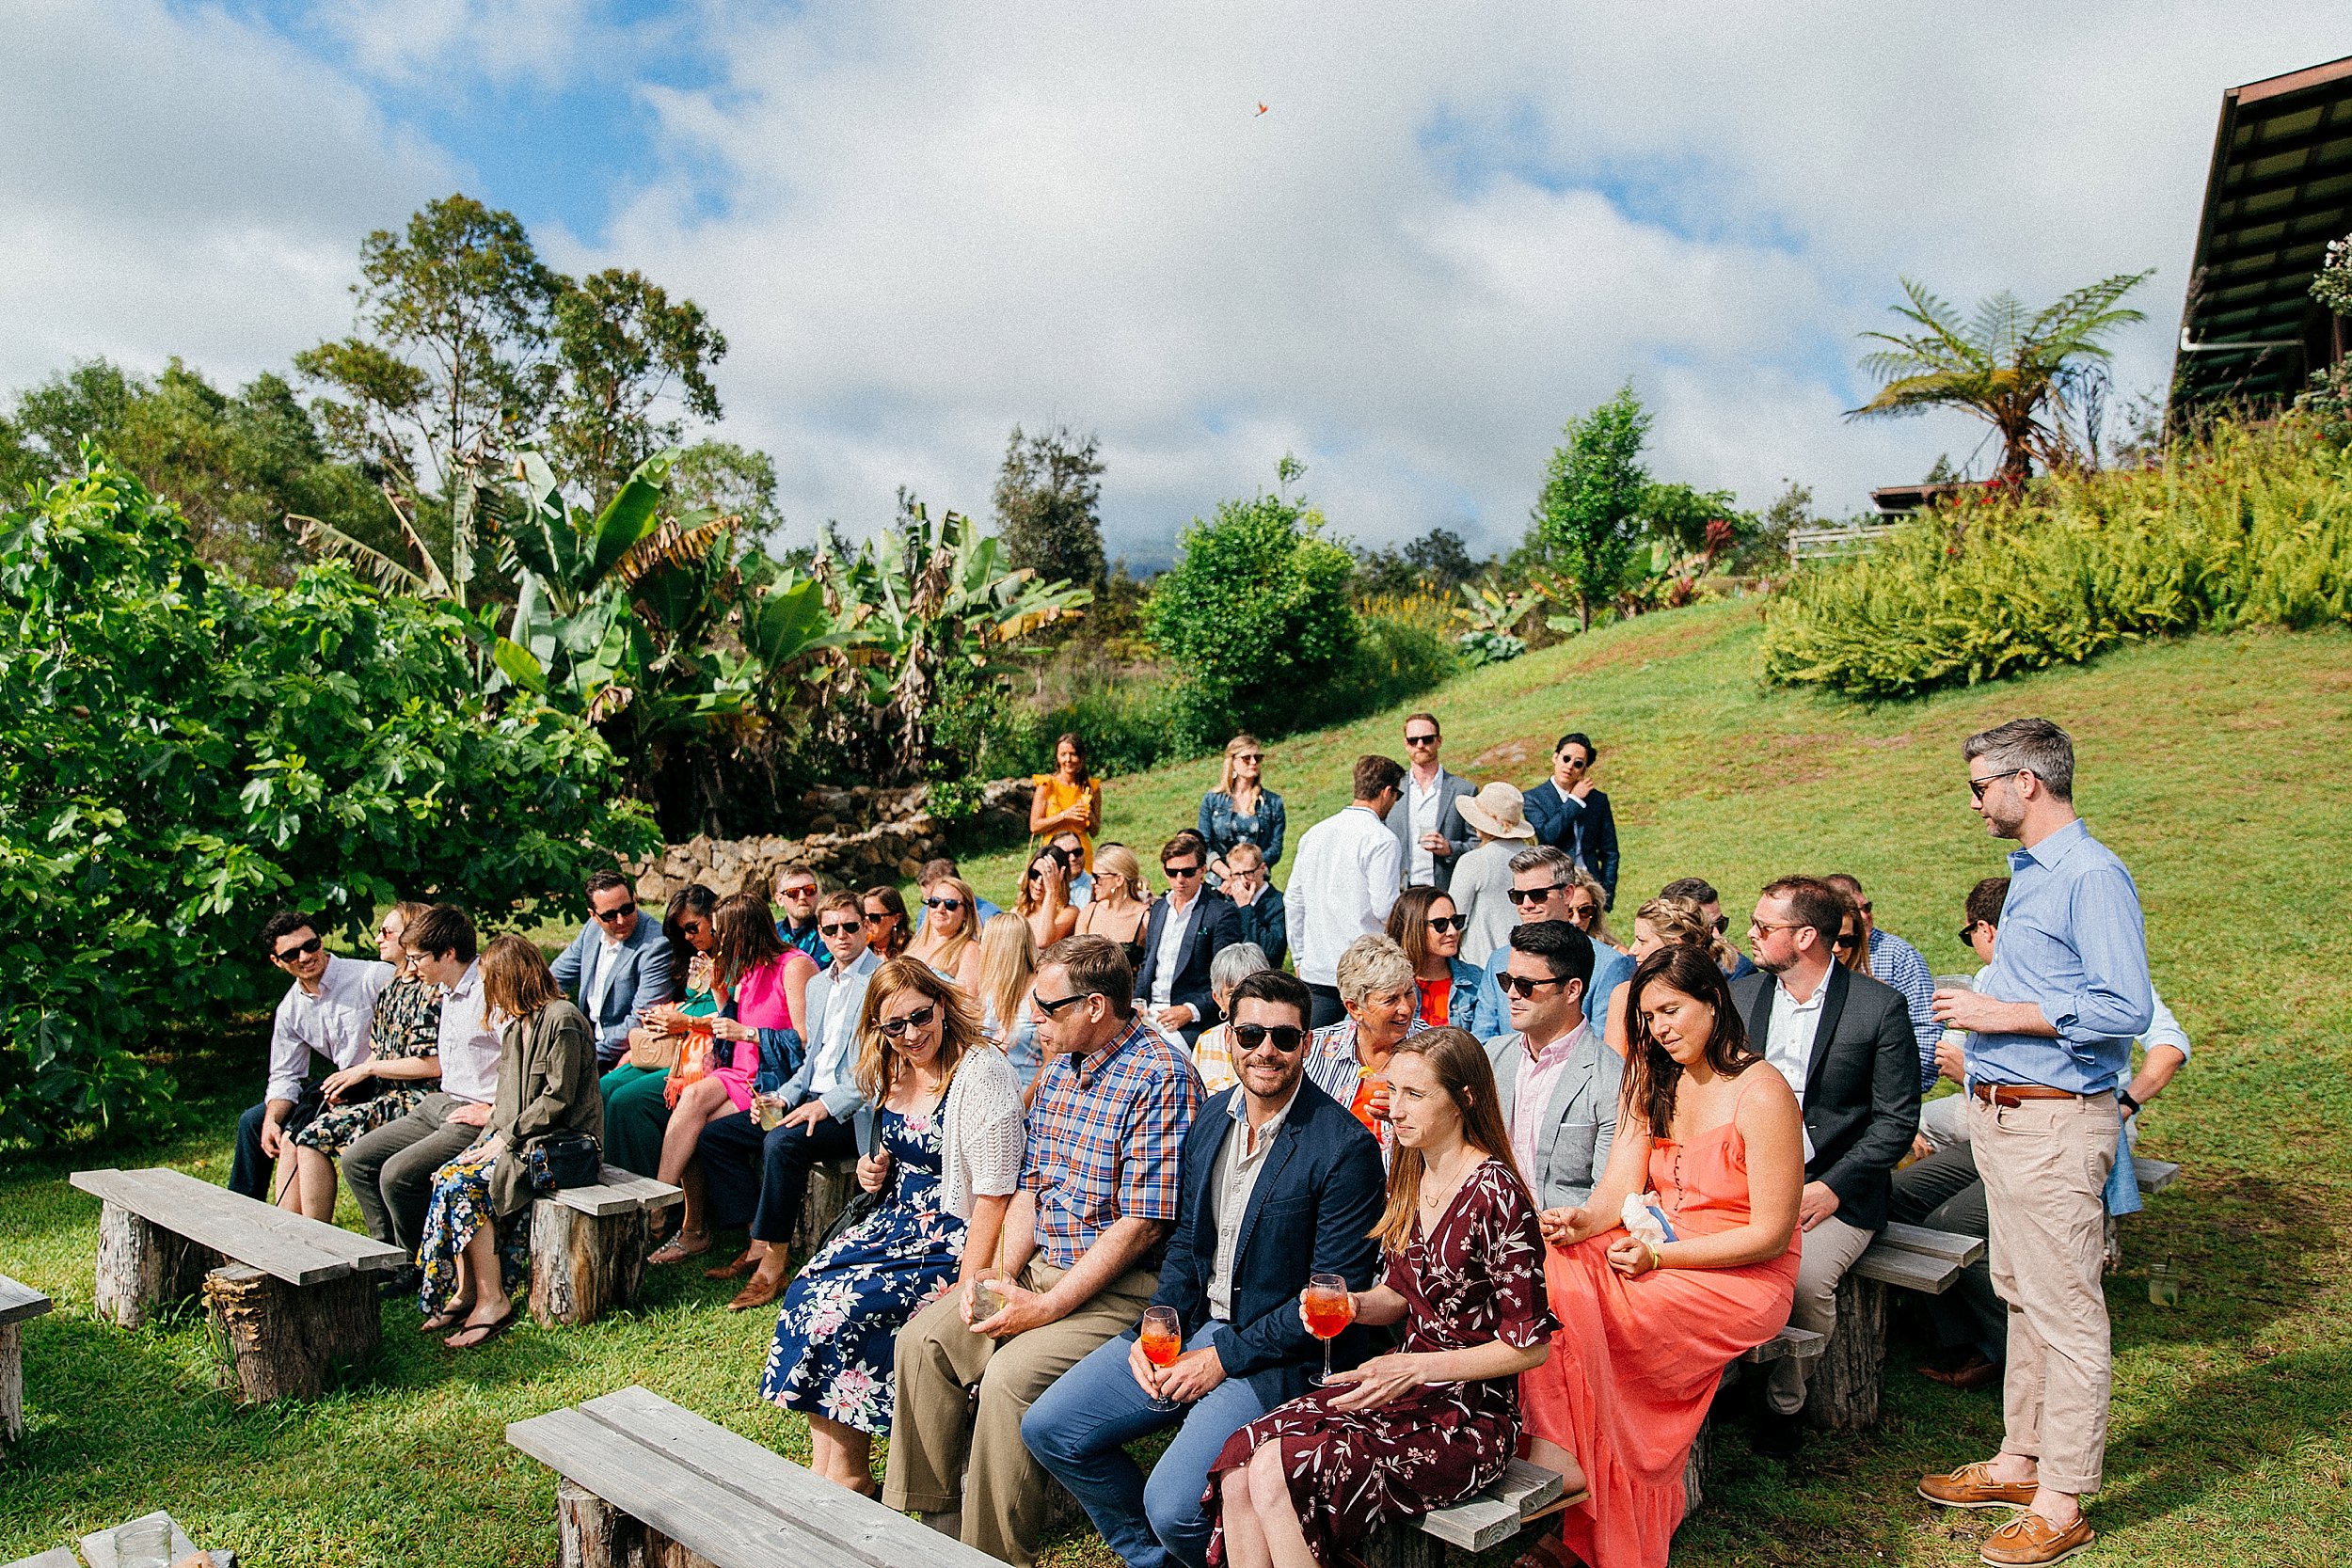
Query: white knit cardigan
983, 1133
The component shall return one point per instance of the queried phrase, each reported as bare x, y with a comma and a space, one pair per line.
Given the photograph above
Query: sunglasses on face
1977, 786
1583, 913
943, 903
1849, 938
1420, 740
840, 929
690, 927
1570, 761
614, 917
299, 950
1723, 924
797, 892
1286, 1037
1248, 756
1180, 871
920, 1018
1519, 985
1052, 1007
879, 916
1525, 896
1444, 923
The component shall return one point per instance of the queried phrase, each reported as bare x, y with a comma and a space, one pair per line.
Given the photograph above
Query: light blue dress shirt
2072, 943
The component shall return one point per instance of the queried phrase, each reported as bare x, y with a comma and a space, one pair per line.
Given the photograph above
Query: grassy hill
2214, 766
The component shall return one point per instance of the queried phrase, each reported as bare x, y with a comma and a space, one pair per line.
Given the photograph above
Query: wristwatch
2131, 1106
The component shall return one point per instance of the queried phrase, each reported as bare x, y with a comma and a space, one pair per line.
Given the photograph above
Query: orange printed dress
1637, 1361
1059, 796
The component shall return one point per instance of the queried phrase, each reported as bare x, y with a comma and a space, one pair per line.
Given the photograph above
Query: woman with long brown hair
476, 1240
885, 910
1436, 1421
947, 1146
1067, 801
1684, 1258
1045, 898
1425, 922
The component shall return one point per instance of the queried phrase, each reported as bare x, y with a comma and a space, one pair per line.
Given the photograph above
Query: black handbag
862, 1204
564, 1159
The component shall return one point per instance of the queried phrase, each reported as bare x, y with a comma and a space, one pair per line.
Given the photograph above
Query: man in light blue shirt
2050, 1028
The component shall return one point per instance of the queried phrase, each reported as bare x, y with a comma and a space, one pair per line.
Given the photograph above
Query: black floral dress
1477, 1277
407, 1022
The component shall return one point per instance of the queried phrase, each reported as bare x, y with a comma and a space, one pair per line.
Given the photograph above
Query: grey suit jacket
849, 982
1579, 1124
1453, 789
642, 979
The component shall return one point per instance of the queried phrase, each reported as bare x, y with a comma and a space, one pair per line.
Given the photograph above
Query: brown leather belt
2017, 1094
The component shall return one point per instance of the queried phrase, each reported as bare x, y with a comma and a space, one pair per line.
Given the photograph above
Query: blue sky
921, 224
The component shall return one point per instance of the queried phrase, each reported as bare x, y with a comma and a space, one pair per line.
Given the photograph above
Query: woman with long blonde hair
1007, 974
1665, 921
1241, 810
1436, 1421
1122, 907
949, 940
946, 1150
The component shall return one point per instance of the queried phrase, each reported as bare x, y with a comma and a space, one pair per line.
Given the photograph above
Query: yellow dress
1060, 796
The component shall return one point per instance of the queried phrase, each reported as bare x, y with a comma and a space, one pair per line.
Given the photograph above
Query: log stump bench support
17, 1302
292, 1299
831, 1185
645, 1484
588, 1245
1842, 1392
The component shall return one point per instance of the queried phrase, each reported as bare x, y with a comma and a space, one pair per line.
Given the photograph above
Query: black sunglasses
1537, 895
1430, 739
1519, 985
1167, 870
299, 950
610, 917
1847, 938
1053, 1009
1287, 1037
1977, 786
943, 903
840, 929
894, 1027
1444, 923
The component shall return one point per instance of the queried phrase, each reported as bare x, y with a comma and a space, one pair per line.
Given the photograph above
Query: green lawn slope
2215, 766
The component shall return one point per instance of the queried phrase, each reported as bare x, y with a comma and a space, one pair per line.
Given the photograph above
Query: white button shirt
1341, 887
600, 959
338, 1024
1422, 817
470, 1047
1239, 1162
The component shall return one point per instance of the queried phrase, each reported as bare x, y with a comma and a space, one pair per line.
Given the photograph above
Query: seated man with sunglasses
1556, 1081
1189, 925
619, 963
1544, 887
1101, 1188
328, 1011
1280, 1183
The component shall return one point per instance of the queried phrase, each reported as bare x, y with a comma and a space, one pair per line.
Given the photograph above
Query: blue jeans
1077, 1430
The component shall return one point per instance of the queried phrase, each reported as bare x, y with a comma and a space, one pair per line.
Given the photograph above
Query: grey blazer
848, 981
1579, 1124
642, 979
1453, 789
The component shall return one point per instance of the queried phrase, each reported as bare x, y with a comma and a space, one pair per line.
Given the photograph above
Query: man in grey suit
1556, 1079
1844, 1042
619, 963
1427, 820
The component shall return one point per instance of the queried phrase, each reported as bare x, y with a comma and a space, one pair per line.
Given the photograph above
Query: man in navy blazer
1279, 1182
619, 963
1567, 813
1172, 976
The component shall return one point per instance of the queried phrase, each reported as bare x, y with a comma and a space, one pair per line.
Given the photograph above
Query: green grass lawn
2214, 766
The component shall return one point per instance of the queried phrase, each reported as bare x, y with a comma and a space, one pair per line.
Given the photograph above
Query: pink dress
760, 1001
1636, 1362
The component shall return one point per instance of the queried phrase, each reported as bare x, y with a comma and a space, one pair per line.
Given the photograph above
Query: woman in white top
945, 1156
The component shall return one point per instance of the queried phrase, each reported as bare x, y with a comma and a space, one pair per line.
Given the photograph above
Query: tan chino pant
2045, 1165
944, 1455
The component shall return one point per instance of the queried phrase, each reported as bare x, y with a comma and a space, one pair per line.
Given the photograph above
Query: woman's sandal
678, 1248
482, 1332
447, 1319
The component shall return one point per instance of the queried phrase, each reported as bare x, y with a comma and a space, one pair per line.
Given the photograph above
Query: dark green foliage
1590, 508
184, 752
1047, 495
1437, 563
1680, 515
2252, 528
1255, 616
625, 348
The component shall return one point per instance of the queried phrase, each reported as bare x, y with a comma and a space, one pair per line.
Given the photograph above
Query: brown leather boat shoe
2030, 1541
1973, 1486
1974, 1372
763, 1288
737, 1270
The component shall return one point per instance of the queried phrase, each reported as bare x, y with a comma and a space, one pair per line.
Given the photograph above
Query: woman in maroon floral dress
1437, 1420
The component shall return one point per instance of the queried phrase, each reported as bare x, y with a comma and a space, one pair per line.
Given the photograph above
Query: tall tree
2012, 368
628, 354
1590, 509
1046, 498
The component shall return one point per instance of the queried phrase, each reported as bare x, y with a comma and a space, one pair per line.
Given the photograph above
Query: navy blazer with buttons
1312, 1211
1216, 926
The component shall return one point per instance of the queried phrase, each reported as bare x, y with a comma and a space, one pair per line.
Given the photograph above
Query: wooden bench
17, 1302
292, 1298
588, 1244
1524, 1494
103, 1549
1842, 1392
645, 1484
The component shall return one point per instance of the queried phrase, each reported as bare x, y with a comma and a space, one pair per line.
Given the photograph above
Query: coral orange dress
1059, 796
1637, 1361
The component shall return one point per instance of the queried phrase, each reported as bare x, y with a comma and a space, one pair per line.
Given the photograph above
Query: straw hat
1498, 811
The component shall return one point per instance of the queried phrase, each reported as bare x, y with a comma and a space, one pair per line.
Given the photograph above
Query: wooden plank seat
588, 1244
2154, 1177
103, 1549
1524, 1493
645, 1482
17, 1302
293, 1299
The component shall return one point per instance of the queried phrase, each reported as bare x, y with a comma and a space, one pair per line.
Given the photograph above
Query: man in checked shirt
1082, 1245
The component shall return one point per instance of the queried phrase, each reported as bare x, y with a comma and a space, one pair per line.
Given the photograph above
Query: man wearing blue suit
619, 963
1279, 1182
1188, 927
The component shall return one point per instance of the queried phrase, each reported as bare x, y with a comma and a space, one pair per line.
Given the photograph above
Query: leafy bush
2252, 526
184, 752
1255, 613
1402, 650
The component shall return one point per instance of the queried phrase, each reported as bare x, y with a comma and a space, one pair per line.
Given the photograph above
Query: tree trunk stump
143, 1266
1695, 1468
11, 1384
591, 1533
1842, 1385
283, 1340
582, 1264
1400, 1544
830, 1186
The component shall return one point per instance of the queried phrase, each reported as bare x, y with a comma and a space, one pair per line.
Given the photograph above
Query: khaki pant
1830, 1250
946, 1455
2045, 1164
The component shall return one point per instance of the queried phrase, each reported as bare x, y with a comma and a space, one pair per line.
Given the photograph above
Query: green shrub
1403, 647
2252, 526
184, 752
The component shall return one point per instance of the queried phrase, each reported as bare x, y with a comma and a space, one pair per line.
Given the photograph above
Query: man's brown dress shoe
736, 1270
2029, 1541
1973, 1486
1974, 1372
763, 1288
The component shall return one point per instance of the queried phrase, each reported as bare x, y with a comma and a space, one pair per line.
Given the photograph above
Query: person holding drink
1348, 1060
946, 1155
1432, 1423
1280, 1188
636, 1107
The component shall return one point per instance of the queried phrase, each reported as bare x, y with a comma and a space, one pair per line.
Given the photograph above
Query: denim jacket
1224, 827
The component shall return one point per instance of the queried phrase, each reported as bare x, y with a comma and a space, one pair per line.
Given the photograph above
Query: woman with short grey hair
1349, 1060
1213, 1054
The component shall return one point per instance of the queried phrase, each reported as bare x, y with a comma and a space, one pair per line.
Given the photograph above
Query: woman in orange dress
1646, 1326
1068, 800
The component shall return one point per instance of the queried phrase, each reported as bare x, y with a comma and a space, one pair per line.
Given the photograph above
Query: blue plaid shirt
1107, 1139
1897, 963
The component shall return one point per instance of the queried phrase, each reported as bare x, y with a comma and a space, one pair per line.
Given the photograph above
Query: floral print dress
1477, 1277
836, 1337
407, 1023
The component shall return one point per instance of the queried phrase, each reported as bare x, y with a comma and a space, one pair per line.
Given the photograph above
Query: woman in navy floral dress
1437, 1420
948, 1144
